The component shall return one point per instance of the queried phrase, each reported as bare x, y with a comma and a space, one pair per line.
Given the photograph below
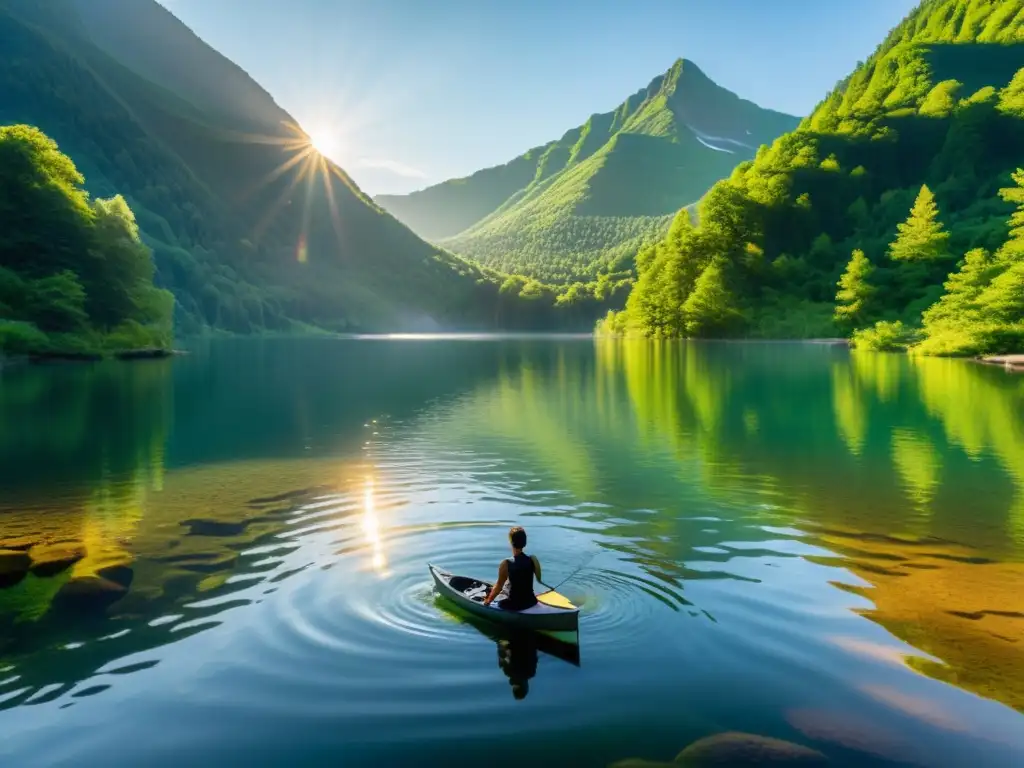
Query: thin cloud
394, 166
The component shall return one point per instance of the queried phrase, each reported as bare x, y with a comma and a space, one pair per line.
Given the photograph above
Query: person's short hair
517, 536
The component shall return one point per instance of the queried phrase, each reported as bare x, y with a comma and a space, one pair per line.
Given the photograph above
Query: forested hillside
74, 276
567, 210
895, 193
250, 228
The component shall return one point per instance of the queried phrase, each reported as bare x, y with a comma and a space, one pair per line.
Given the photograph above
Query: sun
310, 156
325, 141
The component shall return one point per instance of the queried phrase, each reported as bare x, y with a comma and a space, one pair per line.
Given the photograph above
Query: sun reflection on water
371, 527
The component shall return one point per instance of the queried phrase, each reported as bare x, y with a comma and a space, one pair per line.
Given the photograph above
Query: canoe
552, 613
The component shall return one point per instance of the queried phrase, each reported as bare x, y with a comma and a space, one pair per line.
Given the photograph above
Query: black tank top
520, 583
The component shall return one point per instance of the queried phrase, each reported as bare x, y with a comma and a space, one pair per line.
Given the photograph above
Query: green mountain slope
940, 104
128, 30
565, 210
249, 228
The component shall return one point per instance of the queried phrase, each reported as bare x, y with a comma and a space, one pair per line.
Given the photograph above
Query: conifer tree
1014, 248
963, 287
921, 237
982, 309
1002, 302
855, 291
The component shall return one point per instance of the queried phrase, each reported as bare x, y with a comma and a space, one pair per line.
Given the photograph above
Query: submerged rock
200, 527
88, 594
19, 542
121, 575
51, 559
736, 748
14, 565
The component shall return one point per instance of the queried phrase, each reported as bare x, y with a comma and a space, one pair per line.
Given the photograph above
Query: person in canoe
519, 571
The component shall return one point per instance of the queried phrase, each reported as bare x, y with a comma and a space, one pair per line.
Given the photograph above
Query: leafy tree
657, 301
69, 266
884, 336
855, 291
831, 163
711, 308
921, 237
859, 214
123, 265
822, 250
1011, 98
57, 303
941, 100
45, 211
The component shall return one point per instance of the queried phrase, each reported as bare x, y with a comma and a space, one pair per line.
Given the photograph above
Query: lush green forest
250, 229
887, 215
886, 212
584, 204
74, 275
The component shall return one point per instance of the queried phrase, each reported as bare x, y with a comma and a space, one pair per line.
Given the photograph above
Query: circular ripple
371, 628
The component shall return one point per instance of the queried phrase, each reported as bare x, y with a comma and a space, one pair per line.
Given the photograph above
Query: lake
229, 550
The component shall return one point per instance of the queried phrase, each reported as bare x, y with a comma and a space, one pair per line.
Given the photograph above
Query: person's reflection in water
517, 657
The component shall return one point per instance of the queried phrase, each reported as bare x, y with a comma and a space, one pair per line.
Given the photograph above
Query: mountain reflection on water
782, 539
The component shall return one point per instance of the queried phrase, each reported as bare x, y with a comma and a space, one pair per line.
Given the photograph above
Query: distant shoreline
50, 358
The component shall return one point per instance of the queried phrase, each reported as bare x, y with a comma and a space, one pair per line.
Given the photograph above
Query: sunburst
325, 141
307, 159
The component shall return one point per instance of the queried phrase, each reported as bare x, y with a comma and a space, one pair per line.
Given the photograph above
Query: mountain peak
607, 184
668, 80
687, 66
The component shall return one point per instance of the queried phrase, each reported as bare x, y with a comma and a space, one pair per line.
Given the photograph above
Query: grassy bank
20, 339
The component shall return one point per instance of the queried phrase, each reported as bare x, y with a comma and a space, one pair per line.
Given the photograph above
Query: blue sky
407, 93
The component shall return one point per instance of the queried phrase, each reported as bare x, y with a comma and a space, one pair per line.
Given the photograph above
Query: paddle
583, 565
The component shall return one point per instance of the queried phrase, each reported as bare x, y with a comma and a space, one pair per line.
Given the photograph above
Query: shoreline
53, 358
1011, 363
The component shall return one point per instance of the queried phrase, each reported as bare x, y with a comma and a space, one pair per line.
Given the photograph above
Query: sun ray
275, 174
331, 203
296, 140
265, 220
305, 161
301, 248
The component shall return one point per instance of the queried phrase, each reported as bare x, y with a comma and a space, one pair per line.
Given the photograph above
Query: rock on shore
1011, 362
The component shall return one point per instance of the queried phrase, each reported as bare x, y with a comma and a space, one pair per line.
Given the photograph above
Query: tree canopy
74, 274
901, 165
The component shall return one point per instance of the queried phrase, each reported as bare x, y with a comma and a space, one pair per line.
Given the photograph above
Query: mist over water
781, 539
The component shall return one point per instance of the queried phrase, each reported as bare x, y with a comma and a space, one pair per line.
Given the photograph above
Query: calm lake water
786, 540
